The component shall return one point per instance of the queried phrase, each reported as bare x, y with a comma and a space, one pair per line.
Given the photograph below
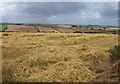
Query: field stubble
54, 57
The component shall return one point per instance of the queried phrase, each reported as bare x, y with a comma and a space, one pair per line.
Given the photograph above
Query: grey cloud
60, 11
106, 9
55, 8
52, 8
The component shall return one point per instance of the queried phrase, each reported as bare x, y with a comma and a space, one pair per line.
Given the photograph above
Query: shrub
77, 32
115, 53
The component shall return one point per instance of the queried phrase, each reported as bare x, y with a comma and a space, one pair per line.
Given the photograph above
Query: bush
115, 53
77, 32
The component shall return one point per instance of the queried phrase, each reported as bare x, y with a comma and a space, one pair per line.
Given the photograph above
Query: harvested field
57, 29
84, 30
21, 28
64, 30
55, 57
46, 29
78, 30
112, 28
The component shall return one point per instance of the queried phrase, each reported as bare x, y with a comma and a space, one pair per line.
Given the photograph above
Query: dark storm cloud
106, 9
67, 12
47, 9
51, 8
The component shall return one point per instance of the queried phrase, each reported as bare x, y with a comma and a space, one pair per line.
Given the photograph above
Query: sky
96, 13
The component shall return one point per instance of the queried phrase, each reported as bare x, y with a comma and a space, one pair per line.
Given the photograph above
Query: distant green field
2, 27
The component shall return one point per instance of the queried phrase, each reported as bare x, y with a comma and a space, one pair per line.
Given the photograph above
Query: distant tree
74, 25
104, 28
92, 28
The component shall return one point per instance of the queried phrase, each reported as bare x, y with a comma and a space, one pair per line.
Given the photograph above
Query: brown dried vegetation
60, 57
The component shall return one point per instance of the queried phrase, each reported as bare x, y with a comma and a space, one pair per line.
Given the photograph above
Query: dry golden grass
64, 57
64, 71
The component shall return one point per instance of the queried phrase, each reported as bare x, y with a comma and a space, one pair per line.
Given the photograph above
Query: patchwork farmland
51, 53
46, 29
21, 28
58, 29
64, 30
